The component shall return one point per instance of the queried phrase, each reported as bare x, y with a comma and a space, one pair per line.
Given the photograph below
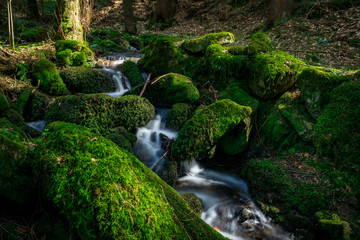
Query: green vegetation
36, 106
87, 80
206, 127
122, 138
48, 78
260, 43
21, 100
168, 90
199, 45
73, 53
4, 104
105, 192
130, 69
100, 112
179, 114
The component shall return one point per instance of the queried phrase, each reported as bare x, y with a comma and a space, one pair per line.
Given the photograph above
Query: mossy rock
45, 73
100, 112
260, 43
16, 181
22, 100
179, 114
271, 74
237, 50
193, 201
168, 90
236, 141
203, 131
37, 106
122, 138
72, 53
334, 229
132, 72
337, 130
223, 68
169, 173
107, 193
109, 40
316, 84
4, 104
199, 45
161, 56
87, 80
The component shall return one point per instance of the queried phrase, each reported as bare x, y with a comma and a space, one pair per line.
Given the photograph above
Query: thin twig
147, 80
167, 75
159, 160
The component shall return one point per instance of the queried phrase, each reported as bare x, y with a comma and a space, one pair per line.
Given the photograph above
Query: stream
227, 205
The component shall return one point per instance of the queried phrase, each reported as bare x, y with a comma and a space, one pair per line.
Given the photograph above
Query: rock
130, 69
169, 174
37, 106
92, 181
22, 100
46, 74
179, 114
100, 112
271, 74
316, 85
168, 90
203, 131
87, 80
260, 43
199, 45
73, 53
193, 201
16, 181
4, 104
334, 229
144, 152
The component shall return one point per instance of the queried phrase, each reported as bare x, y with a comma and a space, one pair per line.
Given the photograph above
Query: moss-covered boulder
37, 106
203, 131
107, 193
337, 131
48, 78
87, 80
168, 90
334, 229
260, 43
179, 114
271, 74
316, 84
199, 45
100, 112
108, 40
4, 104
161, 56
132, 72
16, 182
72, 53
122, 138
193, 201
22, 99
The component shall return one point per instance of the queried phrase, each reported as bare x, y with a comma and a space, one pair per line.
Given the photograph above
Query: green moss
72, 53
168, 90
169, 173
193, 201
4, 104
87, 80
100, 112
200, 44
37, 106
271, 74
63, 57
260, 43
237, 50
179, 114
203, 131
130, 69
22, 99
122, 138
334, 229
62, 45
316, 85
46, 73
236, 141
336, 133
109, 40
15, 178
106, 193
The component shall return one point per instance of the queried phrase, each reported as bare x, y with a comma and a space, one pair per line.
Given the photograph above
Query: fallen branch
167, 75
8, 54
147, 80
152, 167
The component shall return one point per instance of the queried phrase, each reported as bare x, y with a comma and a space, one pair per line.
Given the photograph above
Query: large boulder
179, 114
107, 193
337, 130
168, 90
203, 131
87, 80
16, 182
271, 74
73, 53
100, 112
199, 45
37, 106
48, 78
130, 69
316, 84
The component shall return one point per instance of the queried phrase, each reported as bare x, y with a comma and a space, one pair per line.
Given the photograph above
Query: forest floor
317, 34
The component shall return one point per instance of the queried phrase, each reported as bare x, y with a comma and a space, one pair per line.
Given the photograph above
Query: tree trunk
33, 11
69, 22
165, 10
129, 18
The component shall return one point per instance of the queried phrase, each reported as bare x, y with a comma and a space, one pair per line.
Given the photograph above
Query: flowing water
38, 125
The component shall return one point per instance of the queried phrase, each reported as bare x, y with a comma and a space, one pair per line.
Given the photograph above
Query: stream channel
227, 205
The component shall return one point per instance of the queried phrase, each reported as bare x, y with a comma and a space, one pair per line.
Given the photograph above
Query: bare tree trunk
33, 11
11, 25
129, 18
165, 10
86, 8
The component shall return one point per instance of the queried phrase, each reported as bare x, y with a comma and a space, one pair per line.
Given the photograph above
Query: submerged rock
107, 193
100, 112
87, 80
168, 90
198, 45
48, 78
203, 131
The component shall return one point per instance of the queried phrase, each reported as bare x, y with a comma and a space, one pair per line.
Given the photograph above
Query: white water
112, 67
38, 125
